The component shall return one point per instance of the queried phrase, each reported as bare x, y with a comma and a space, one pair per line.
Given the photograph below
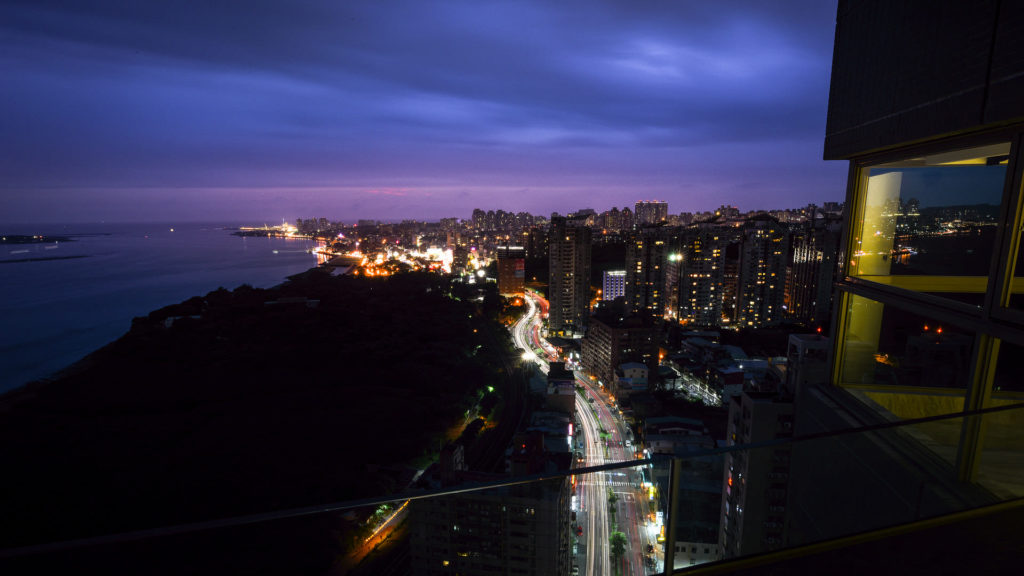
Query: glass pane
1009, 376
1001, 465
887, 346
619, 516
1016, 296
933, 216
864, 481
907, 366
784, 496
597, 523
755, 483
699, 507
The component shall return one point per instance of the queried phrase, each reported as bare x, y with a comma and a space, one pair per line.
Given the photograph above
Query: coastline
64, 303
43, 259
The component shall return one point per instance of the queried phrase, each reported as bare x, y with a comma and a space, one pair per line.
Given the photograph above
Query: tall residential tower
569, 280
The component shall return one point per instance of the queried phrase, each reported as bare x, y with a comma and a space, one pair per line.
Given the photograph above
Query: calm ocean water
54, 309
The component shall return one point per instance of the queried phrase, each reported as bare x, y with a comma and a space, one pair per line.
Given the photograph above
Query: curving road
526, 335
604, 437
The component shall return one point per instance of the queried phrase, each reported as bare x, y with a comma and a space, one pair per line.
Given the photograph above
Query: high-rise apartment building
511, 270
449, 224
613, 284
815, 250
479, 219
701, 274
612, 219
762, 272
698, 491
728, 212
569, 275
673, 268
536, 243
647, 252
731, 277
806, 362
627, 219
650, 212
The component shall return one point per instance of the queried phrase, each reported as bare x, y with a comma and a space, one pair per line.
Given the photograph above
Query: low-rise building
630, 377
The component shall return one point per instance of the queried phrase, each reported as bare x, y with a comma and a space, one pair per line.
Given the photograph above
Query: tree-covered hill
246, 401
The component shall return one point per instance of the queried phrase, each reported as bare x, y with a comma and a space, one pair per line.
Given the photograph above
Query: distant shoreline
43, 258
263, 234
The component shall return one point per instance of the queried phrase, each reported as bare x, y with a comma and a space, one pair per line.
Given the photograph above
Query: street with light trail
602, 439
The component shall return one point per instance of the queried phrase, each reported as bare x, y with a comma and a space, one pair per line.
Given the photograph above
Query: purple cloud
576, 103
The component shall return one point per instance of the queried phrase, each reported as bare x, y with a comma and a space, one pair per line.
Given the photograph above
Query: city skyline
131, 112
671, 218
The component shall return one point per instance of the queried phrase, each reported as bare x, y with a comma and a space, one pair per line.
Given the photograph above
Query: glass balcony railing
655, 515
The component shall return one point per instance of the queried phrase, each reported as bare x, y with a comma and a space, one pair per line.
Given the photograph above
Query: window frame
992, 323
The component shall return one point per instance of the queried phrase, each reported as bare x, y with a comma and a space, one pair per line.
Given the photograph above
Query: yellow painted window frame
985, 355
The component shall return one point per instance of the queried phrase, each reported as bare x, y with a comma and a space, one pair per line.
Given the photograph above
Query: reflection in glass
884, 345
931, 216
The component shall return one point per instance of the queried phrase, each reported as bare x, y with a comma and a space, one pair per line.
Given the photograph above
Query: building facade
569, 275
756, 482
613, 284
815, 255
511, 270
762, 272
612, 341
515, 530
650, 212
702, 274
647, 252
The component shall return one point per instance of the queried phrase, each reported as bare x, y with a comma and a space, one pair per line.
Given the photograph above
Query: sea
60, 301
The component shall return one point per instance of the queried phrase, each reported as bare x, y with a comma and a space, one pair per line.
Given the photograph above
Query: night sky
263, 110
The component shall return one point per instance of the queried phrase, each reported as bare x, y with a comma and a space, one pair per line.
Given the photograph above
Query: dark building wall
915, 69
1006, 81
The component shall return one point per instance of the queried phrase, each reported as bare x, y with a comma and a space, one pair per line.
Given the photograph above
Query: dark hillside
250, 401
